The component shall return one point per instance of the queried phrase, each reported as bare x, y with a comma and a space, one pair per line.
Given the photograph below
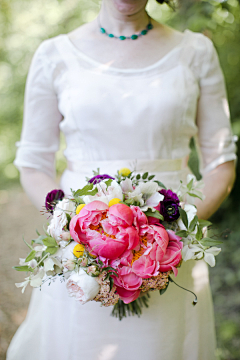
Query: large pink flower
91, 214
145, 267
105, 246
120, 215
158, 237
173, 254
127, 296
127, 279
126, 258
140, 218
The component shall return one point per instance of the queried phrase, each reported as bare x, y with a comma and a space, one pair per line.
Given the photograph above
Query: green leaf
38, 233
28, 245
145, 175
162, 291
138, 177
30, 256
151, 177
204, 223
39, 240
84, 190
23, 268
190, 184
50, 241
194, 195
199, 233
193, 223
184, 217
160, 184
182, 233
156, 214
109, 182
111, 283
52, 249
129, 175
210, 242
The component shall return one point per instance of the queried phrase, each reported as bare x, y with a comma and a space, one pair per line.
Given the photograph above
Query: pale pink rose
82, 286
120, 215
91, 214
145, 267
105, 246
158, 237
126, 258
140, 218
127, 279
127, 296
173, 254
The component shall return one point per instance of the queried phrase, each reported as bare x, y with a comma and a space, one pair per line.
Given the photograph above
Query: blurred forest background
25, 23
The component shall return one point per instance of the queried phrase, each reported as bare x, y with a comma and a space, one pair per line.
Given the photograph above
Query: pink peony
129, 235
105, 246
126, 258
158, 237
127, 279
120, 215
91, 214
140, 218
145, 267
173, 254
127, 296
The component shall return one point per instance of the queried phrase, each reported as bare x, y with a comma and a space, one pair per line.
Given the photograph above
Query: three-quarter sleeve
215, 139
40, 133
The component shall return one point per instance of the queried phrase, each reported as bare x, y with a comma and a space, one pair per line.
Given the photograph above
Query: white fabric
109, 114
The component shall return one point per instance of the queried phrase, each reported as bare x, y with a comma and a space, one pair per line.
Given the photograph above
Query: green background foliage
25, 23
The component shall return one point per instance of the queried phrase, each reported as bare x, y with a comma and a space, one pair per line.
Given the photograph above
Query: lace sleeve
215, 139
40, 133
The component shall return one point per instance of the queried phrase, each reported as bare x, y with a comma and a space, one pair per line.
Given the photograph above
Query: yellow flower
79, 208
114, 201
124, 171
78, 250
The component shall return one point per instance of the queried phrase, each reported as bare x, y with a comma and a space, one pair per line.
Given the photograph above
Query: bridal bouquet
119, 238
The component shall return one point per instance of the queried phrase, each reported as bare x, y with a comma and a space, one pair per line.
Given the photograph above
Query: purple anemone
98, 178
52, 198
169, 207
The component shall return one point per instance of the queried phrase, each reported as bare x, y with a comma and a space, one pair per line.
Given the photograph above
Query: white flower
32, 263
105, 194
191, 211
145, 193
82, 286
36, 280
67, 252
197, 252
193, 187
126, 185
59, 220
23, 284
39, 249
52, 266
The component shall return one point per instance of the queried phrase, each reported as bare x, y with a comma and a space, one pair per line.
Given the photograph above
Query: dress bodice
107, 113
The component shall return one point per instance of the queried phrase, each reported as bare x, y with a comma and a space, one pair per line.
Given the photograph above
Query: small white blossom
59, 220
105, 194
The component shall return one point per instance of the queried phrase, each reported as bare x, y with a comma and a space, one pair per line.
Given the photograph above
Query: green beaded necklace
132, 37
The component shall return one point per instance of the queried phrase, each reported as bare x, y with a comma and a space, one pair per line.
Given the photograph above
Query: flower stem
195, 300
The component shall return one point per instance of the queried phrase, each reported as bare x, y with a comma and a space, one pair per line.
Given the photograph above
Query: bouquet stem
121, 310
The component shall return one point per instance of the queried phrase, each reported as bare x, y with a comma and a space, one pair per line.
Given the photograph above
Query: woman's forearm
36, 185
218, 185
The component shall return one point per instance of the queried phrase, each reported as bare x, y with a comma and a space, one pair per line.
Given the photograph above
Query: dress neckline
126, 70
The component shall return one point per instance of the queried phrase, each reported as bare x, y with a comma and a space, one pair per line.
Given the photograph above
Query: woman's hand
218, 185
36, 185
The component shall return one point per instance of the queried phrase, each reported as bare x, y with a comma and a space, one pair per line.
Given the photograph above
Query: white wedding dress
111, 118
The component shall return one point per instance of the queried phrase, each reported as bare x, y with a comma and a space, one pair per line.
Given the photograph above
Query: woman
124, 103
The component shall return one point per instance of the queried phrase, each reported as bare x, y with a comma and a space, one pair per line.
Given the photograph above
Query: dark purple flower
52, 198
169, 206
98, 178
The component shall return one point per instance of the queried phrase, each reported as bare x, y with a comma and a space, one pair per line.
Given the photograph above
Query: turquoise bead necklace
132, 37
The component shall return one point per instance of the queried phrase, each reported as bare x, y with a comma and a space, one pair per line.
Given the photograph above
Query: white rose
67, 252
82, 286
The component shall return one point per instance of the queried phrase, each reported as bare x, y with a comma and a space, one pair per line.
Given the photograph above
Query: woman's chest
126, 103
